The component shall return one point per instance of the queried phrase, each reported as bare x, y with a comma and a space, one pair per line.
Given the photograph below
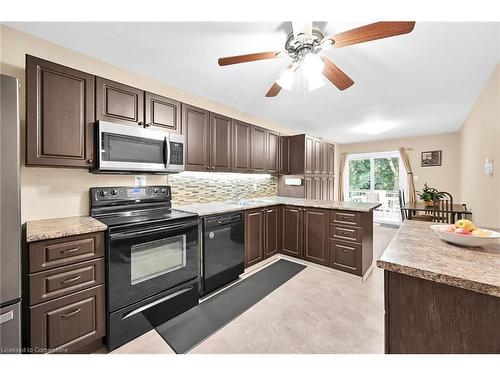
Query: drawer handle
67, 281
69, 251
69, 315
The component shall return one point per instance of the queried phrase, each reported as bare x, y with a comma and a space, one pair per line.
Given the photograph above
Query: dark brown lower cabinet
427, 317
351, 241
292, 218
69, 322
254, 237
316, 223
65, 294
272, 231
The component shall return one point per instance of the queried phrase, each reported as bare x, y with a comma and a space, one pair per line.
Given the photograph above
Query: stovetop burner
124, 205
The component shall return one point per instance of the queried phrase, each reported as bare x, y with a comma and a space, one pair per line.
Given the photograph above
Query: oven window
155, 258
124, 148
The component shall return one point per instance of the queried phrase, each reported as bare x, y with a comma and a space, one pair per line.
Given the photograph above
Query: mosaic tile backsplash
198, 187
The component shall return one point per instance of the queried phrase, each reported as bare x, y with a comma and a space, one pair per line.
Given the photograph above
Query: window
376, 177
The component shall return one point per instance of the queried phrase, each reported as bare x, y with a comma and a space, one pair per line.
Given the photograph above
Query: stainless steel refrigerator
10, 221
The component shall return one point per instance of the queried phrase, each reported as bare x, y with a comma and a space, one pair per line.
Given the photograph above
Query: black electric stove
151, 258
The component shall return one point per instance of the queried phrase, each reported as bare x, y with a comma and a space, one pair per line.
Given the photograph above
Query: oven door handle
154, 303
129, 234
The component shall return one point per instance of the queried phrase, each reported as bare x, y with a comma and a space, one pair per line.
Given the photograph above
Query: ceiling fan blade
335, 75
274, 90
374, 31
250, 57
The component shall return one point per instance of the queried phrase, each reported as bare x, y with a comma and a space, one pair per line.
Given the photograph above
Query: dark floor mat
192, 327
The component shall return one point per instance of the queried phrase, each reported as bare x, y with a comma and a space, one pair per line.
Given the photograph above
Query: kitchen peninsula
440, 298
330, 233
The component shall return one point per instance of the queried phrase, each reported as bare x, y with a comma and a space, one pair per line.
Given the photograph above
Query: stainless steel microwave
126, 149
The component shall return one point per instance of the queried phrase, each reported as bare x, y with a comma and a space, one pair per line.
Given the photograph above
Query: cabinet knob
148, 125
140, 123
90, 161
208, 167
213, 167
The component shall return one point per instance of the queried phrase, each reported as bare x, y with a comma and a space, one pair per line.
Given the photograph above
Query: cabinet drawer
48, 254
47, 285
69, 322
345, 256
345, 217
345, 233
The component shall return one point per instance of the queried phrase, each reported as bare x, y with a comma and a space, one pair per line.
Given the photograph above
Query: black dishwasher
223, 250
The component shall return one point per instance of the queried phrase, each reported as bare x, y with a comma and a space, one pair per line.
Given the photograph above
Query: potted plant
429, 195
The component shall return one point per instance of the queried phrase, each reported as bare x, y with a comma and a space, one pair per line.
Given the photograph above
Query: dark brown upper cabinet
317, 156
163, 113
119, 103
59, 115
292, 231
316, 226
331, 159
220, 143
241, 146
254, 237
324, 158
309, 157
284, 155
259, 149
273, 149
196, 126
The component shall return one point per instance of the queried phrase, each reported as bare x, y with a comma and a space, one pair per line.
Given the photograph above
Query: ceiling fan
303, 46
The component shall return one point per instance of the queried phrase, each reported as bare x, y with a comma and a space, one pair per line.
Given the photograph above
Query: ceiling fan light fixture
286, 79
315, 82
312, 65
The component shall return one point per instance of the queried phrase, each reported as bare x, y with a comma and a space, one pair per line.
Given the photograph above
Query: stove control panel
107, 195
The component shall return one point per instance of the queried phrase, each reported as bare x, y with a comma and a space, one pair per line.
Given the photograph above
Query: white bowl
464, 240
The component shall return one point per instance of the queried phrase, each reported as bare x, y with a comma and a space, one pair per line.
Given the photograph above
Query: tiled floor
316, 311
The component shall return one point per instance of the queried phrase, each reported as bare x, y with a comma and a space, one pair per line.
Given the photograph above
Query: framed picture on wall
431, 158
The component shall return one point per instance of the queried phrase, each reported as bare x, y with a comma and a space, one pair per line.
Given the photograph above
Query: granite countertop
213, 208
417, 251
62, 227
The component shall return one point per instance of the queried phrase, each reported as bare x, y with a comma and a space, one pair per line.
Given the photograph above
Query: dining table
459, 211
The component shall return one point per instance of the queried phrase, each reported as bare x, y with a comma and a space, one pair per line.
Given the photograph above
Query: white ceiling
420, 83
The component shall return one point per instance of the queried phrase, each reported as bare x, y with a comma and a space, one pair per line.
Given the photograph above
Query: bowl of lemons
465, 233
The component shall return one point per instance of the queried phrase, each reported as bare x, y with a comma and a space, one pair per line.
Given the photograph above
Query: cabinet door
273, 148
316, 222
284, 155
331, 159
292, 231
324, 188
308, 187
259, 151
59, 115
346, 256
196, 123
220, 143
254, 237
309, 164
324, 157
330, 187
317, 156
272, 232
163, 113
241, 146
316, 187
119, 103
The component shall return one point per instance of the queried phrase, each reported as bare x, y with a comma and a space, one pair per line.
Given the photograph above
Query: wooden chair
443, 209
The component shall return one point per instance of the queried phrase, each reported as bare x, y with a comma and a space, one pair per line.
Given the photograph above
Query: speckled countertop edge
214, 208
39, 230
470, 282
